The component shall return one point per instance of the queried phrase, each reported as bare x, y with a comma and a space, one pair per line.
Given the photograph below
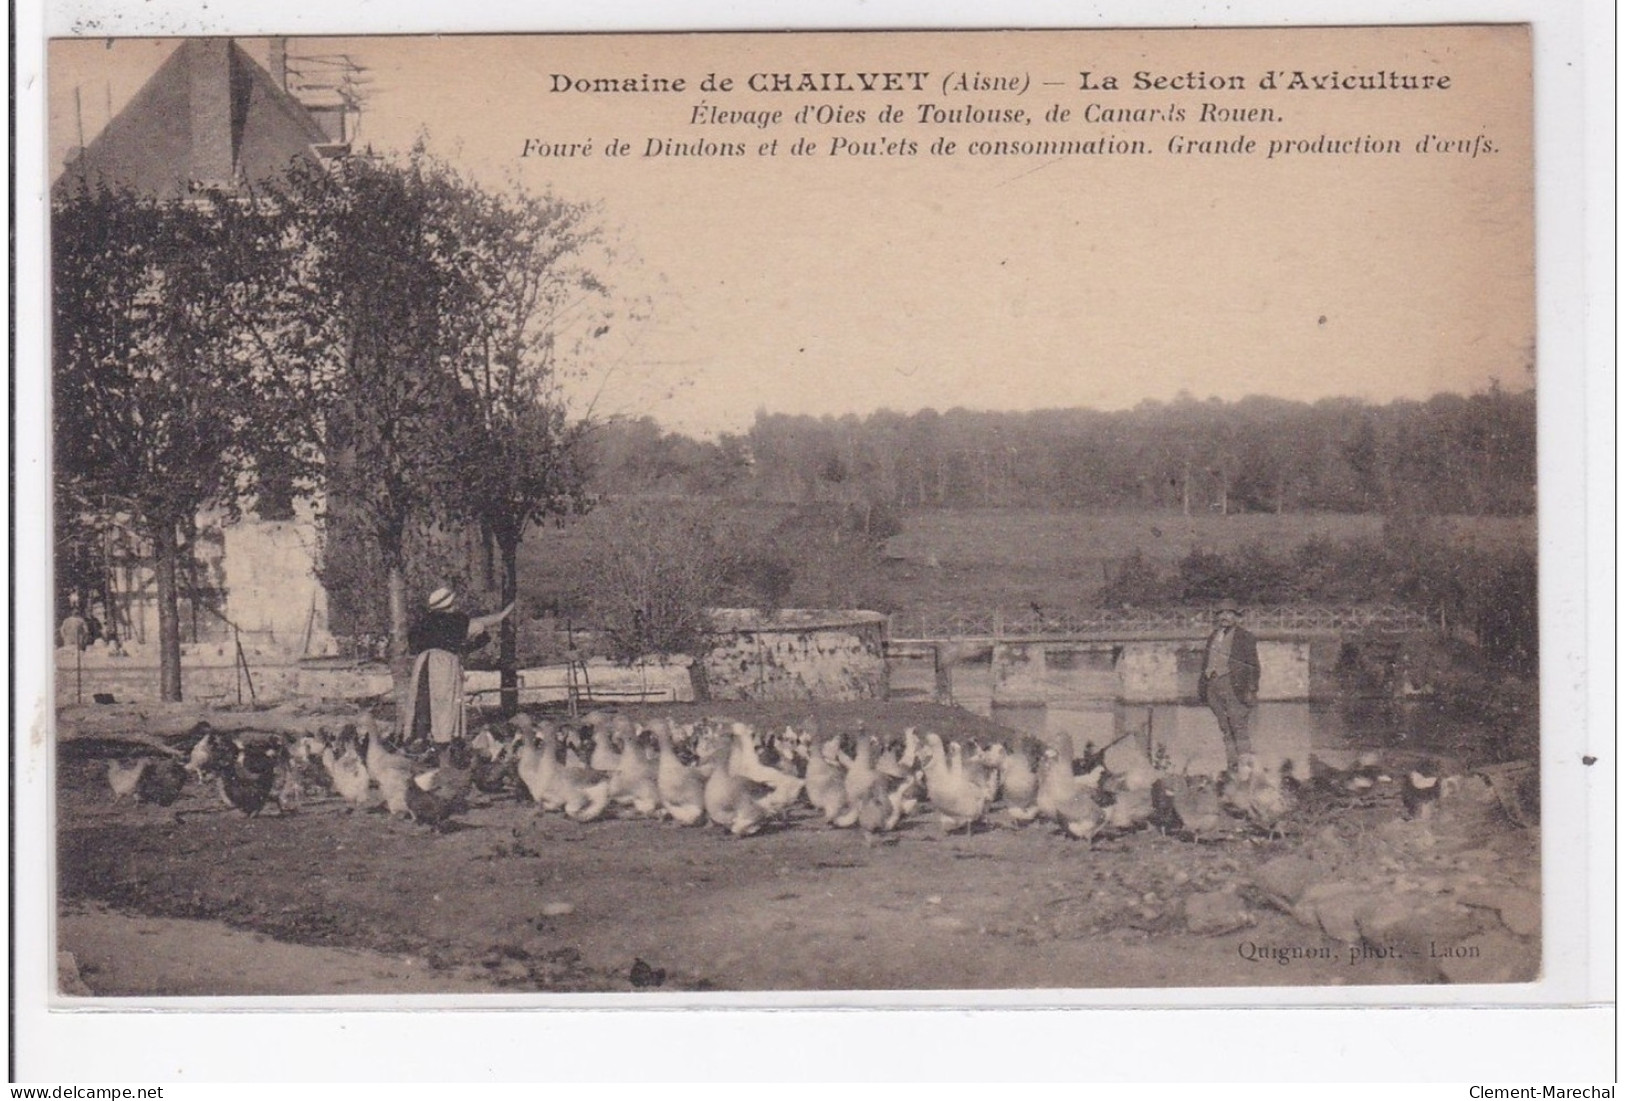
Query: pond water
1073, 712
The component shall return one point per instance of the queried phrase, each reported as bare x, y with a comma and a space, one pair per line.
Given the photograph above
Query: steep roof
210, 115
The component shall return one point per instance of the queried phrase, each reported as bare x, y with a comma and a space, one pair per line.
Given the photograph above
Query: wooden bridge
1145, 624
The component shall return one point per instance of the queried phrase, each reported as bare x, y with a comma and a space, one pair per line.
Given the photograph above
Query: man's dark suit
1231, 695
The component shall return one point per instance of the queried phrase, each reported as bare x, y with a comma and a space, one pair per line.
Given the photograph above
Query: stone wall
272, 592
797, 654
1163, 671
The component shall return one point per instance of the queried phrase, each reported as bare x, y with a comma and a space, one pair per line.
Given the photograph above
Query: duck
1019, 776
1070, 800
681, 786
897, 757
610, 742
958, 800
634, 782
347, 770
860, 777
824, 781
860, 768
737, 803
580, 792
1056, 783
787, 752
746, 761
984, 765
912, 788
880, 809
1358, 779
528, 752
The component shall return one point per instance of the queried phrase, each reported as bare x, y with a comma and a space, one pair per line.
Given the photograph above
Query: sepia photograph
687, 535
912, 516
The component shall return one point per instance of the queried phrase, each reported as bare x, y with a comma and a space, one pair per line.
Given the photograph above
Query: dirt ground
197, 899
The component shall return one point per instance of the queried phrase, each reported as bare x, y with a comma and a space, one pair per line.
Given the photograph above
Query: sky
835, 284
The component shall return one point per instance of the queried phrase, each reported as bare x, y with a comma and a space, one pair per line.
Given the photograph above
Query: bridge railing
1118, 622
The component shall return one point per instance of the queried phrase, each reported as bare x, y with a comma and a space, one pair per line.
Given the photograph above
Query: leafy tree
162, 394
522, 457
659, 569
384, 313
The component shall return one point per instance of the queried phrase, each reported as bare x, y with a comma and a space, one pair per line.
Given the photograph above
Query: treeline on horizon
1451, 454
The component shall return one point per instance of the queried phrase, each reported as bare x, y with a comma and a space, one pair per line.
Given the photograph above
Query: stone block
1518, 910
68, 980
1286, 878
1283, 670
1337, 909
1149, 672
1215, 912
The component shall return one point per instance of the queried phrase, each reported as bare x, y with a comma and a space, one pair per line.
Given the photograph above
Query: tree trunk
165, 550
700, 681
508, 661
397, 608
488, 547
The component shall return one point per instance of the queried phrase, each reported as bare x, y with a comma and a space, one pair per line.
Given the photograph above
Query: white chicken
1256, 792
392, 772
124, 775
347, 770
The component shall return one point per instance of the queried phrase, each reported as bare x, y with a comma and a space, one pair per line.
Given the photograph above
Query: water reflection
1075, 708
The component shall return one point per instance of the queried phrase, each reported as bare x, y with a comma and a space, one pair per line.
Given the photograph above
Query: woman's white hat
442, 600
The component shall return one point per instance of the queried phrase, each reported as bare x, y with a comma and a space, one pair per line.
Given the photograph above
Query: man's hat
442, 600
1227, 605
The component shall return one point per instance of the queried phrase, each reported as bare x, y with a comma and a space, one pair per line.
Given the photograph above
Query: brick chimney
214, 159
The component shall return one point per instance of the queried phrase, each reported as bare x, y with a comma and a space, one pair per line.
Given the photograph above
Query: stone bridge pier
1140, 697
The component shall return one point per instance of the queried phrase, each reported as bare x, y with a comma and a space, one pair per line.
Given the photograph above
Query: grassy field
1013, 558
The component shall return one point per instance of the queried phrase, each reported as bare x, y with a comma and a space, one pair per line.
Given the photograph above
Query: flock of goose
725, 773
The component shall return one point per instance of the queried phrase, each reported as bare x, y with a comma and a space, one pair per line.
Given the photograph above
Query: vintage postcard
909, 518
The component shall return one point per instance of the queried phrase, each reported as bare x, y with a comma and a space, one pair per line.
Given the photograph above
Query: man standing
1229, 682
74, 632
